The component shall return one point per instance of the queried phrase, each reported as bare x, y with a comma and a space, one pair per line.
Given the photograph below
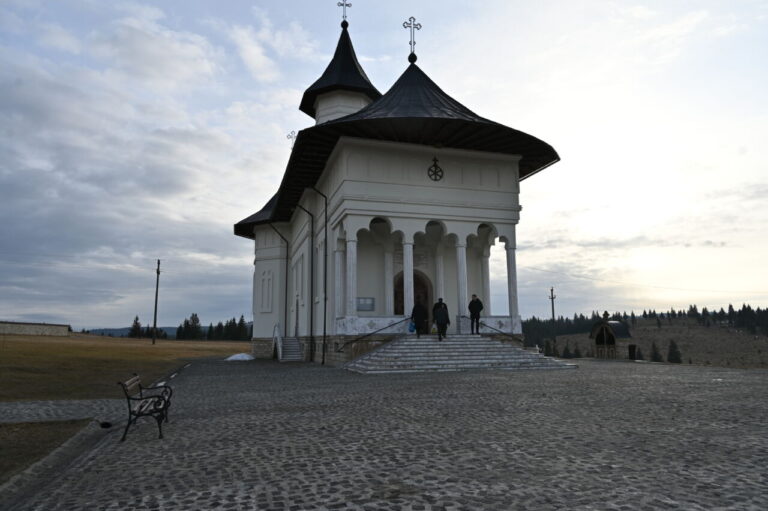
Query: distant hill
123, 332
715, 345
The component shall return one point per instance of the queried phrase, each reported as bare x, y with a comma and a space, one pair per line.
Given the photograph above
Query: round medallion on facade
434, 172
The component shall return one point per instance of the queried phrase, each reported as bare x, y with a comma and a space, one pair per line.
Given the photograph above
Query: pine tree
576, 352
195, 331
219, 335
655, 355
209, 333
135, 330
242, 329
673, 355
567, 351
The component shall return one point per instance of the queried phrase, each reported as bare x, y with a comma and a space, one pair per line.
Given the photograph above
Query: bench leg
126, 430
159, 419
166, 413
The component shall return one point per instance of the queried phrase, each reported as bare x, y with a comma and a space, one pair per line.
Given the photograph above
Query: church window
266, 291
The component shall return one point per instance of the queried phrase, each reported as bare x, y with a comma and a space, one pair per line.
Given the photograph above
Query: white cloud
142, 49
641, 12
57, 37
253, 55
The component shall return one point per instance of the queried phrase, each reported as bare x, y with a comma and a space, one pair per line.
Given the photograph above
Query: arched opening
605, 343
422, 292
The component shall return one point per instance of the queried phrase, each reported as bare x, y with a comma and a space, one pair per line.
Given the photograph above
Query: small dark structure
605, 333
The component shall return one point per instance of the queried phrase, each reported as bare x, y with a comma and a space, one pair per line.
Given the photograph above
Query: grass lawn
88, 366
25, 443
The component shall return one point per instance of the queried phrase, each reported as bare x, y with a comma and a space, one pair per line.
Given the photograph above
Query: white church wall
474, 275
370, 276
268, 282
366, 179
338, 104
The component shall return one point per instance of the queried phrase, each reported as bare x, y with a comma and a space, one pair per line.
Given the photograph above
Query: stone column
485, 269
461, 270
338, 274
512, 283
439, 273
389, 282
407, 277
351, 277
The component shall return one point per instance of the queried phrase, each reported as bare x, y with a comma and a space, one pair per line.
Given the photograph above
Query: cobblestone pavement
39, 411
258, 435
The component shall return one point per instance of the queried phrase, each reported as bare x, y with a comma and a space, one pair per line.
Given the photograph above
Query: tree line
137, 332
753, 320
191, 329
231, 330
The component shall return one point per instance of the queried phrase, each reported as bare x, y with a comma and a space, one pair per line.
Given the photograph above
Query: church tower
343, 88
387, 201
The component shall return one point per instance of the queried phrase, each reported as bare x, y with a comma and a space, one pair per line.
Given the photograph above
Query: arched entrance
605, 343
422, 292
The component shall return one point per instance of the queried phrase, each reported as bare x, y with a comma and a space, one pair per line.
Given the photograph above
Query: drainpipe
311, 282
287, 256
325, 276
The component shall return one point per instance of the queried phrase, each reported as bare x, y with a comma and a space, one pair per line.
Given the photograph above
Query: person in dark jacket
475, 306
419, 318
442, 319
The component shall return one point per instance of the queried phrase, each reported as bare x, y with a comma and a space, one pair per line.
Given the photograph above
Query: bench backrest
131, 385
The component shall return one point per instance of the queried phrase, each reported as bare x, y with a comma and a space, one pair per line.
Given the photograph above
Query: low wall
263, 348
14, 328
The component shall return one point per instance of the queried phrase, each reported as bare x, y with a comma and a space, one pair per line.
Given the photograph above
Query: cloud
57, 37
141, 49
253, 55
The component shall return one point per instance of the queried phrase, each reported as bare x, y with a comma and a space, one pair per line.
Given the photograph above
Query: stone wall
14, 328
263, 348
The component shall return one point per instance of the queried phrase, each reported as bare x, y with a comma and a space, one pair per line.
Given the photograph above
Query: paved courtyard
258, 435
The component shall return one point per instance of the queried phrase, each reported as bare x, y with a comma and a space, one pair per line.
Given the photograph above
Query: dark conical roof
414, 110
343, 73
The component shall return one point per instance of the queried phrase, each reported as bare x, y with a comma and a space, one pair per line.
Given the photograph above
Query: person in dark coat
475, 306
419, 317
442, 319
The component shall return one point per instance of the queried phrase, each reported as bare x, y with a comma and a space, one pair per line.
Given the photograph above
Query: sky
137, 131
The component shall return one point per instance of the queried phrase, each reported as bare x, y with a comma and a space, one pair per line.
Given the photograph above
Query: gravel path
40, 411
258, 435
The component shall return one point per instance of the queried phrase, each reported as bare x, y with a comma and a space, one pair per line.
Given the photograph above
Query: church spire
344, 73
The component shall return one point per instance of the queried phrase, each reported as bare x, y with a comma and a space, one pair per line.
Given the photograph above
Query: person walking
475, 306
419, 317
442, 319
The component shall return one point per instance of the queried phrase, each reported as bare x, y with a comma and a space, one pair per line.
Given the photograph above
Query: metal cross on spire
344, 5
411, 23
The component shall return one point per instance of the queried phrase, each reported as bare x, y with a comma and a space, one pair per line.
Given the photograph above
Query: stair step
408, 354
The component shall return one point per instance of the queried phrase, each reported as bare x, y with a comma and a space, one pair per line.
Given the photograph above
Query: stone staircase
408, 354
292, 350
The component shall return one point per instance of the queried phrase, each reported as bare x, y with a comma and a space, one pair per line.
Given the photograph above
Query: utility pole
157, 287
552, 299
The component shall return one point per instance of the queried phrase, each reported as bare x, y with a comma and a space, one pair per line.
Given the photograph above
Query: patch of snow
239, 356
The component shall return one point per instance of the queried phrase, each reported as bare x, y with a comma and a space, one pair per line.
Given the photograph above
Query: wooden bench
146, 402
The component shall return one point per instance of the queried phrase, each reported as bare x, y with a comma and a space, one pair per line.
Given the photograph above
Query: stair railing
277, 340
358, 339
505, 334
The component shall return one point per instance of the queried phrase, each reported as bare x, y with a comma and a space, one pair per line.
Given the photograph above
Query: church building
387, 200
